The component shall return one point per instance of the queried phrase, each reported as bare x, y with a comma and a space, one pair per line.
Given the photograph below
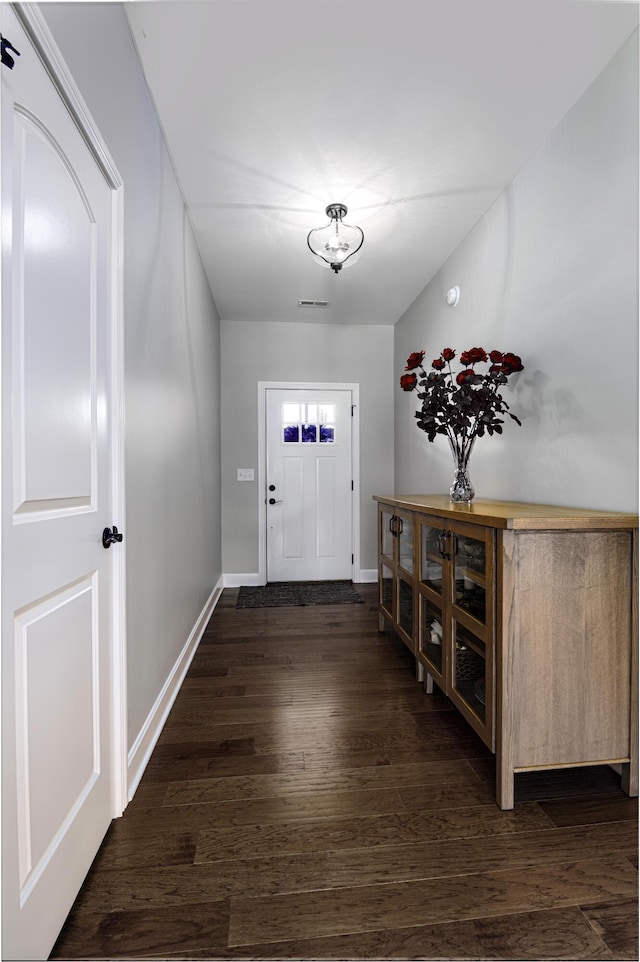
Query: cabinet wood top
511, 514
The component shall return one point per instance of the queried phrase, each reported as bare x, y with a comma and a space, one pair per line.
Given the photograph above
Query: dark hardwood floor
307, 800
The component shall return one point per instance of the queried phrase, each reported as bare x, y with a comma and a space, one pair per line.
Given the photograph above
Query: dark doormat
280, 594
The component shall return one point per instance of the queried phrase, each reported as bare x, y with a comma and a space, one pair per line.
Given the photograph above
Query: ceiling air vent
313, 303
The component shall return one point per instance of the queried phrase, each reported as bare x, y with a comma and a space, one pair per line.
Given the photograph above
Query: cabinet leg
428, 684
630, 769
419, 671
505, 792
505, 778
380, 623
630, 778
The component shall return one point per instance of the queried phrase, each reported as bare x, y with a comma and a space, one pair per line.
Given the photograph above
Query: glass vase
461, 491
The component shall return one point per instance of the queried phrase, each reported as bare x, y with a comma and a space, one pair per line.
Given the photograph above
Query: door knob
110, 537
273, 501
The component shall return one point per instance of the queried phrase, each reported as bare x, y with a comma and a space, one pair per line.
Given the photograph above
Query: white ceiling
414, 113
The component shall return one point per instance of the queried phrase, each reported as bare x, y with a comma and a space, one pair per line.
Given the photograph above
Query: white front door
309, 485
57, 712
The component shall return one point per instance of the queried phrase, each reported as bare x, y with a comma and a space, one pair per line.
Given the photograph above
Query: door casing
263, 387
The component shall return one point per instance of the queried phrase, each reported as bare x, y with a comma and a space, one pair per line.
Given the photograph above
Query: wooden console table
526, 617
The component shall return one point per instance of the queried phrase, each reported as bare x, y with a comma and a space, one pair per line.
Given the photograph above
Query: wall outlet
244, 474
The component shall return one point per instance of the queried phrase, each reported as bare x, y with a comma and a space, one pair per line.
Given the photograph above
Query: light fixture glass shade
334, 244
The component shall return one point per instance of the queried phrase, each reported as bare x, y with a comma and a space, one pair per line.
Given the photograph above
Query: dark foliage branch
465, 405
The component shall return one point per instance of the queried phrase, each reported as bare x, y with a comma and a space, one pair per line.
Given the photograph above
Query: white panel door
57, 755
309, 486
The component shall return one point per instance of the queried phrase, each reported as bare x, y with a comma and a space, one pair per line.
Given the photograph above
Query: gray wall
550, 273
172, 358
254, 351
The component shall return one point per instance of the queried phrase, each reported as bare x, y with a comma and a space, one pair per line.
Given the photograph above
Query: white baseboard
141, 750
238, 580
366, 576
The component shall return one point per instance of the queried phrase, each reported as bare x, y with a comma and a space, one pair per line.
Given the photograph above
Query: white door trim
38, 32
263, 387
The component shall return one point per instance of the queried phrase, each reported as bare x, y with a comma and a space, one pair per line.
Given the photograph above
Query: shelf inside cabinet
435, 584
473, 614
475, 644
471, 574
434, 655
472, 603
433, 556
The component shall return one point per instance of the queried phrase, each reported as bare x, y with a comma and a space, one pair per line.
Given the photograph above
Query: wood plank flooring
307, 800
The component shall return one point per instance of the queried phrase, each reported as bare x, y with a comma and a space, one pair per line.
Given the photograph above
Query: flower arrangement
462, 406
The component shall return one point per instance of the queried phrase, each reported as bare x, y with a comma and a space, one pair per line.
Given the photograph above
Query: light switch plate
244, 474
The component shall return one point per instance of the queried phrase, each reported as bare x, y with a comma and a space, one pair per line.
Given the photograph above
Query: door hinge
351, 559
5, 57
352, 485
353, 407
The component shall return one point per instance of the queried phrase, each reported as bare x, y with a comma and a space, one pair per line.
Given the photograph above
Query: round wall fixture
453, 296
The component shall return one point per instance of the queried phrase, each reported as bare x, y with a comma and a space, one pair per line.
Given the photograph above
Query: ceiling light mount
335, 243
336, 211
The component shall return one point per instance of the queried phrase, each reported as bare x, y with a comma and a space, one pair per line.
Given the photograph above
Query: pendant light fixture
334, 244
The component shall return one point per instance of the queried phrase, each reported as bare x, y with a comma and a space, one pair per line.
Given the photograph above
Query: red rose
438, 364
464, 376
473, 355
495, 356
414, 360
408, 382
511, 363
448, 354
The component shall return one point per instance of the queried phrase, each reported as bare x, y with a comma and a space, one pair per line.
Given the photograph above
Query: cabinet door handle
400, 526
442, 537
391, 523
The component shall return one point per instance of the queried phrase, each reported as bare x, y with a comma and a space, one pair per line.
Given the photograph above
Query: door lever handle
273, 501
110, 537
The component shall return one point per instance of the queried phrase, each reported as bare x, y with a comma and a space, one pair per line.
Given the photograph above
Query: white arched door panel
57, 578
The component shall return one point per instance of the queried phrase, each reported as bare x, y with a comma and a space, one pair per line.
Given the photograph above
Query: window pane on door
327, 413
308, 423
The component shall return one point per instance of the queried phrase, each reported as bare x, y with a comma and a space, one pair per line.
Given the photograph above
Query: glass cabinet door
431, 560
395, 572
386, 589
386, 533
405, 543
469, 671
470, 577
405, 607
432, 640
